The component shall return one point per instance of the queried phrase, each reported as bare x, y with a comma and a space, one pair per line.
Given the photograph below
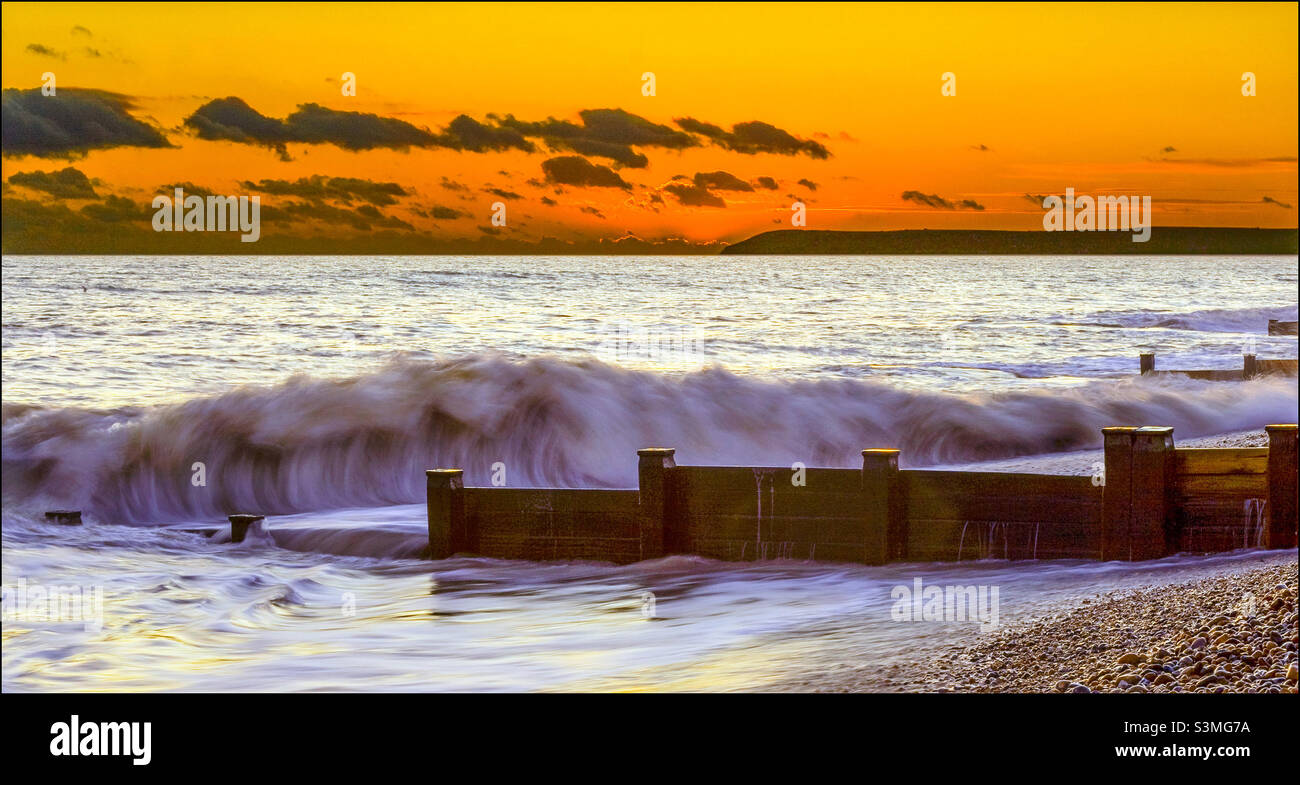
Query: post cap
1281, 428
245, 518
656, 452
444, 472
1154, 437
69, 517
880, 451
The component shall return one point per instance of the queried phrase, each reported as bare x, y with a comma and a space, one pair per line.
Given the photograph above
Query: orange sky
1082, 96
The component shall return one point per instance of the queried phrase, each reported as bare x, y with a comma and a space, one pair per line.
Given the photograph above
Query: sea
158, 394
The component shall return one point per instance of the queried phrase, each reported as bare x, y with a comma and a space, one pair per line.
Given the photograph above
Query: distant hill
1164, 240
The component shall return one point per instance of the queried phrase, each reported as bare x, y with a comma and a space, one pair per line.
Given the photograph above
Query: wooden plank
1280, 367
721, 479
1233, 375
999, 497
560, 499
1216, 460
1191, 486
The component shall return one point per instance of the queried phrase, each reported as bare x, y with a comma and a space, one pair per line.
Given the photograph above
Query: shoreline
1235, 632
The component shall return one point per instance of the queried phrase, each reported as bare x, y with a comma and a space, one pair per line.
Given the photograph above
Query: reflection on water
182, 612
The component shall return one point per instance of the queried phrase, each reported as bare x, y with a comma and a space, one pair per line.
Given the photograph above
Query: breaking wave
314, 444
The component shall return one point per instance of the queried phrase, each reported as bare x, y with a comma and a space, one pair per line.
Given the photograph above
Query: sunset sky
1106, 99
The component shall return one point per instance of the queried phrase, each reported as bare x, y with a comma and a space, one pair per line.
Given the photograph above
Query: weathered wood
1220, 460
1277, 367
239, 525
448, 532
1281, 511
1191, 486
1279, 327
1153, 476
883, 507
1208, 376
1146, 362
64, 517
594, 500
1117, 491
958, 539
740, 479
998, 496
657, 531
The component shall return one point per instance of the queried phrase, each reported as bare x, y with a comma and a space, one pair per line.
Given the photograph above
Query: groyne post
1153, 479
884, 519
1249, 367
1116, 491
64, 517
1146, 362
1281, 510
239, 525
448, 533
658, 534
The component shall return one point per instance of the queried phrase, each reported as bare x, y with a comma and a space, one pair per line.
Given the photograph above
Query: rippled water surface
317, 390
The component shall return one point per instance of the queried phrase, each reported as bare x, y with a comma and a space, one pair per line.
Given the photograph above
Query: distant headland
1164, 240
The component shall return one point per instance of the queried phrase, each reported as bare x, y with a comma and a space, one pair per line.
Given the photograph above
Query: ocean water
317, 390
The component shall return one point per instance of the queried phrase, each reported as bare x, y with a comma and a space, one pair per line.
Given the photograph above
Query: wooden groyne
1151, 499
1251, 367
1279, 327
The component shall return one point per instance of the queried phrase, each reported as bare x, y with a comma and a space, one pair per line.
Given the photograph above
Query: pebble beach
1224, 634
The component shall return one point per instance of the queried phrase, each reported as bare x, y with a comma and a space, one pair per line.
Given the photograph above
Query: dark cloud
766, 182
68, 183
755, 137
592, 211
70, 123
722, 181
694, 195
1036, 199
1228, 163
466, 133
983, 148
45, 51
1169, 149
363, 218
503, 193
231, 119
344, 189
115, 209
189, 188
79, 30
576, 170
452, 185
1265, 200
441, 213
548, 201
938, 202
809, 184
313, 123
604, 133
